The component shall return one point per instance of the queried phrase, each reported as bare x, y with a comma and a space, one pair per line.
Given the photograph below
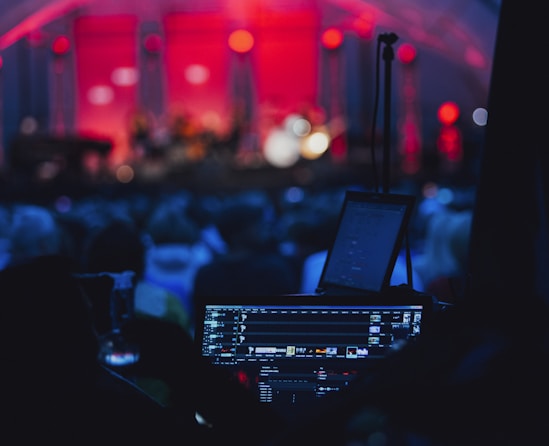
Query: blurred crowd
181, 244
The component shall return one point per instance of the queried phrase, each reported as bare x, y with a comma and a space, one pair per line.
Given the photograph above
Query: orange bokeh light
332, 38
241, 41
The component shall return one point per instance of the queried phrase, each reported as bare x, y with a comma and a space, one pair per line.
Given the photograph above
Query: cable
374, 120
387, 39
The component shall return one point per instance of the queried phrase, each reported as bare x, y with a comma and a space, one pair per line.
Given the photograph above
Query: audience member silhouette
34, 231
118, 247
56, 391
202, 210
115, 248
252, 264
174, 249
442, 264
308, 234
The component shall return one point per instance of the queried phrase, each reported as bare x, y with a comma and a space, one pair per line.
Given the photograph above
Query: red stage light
448, 113
152, 43
241, 41
449, 143
406, 53
61, 45
365, 25
332, 38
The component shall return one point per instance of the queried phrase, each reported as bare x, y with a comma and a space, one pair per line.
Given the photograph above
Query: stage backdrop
201, 76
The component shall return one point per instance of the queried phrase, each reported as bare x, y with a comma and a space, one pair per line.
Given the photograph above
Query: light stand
388, 56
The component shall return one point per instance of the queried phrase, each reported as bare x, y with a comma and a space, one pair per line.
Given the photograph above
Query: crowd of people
476, 377
181, 243
179, 246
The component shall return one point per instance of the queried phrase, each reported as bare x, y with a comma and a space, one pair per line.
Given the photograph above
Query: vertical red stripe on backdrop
200, 41
286, 58
103, 44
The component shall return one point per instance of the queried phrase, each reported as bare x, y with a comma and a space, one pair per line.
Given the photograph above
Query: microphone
388, 38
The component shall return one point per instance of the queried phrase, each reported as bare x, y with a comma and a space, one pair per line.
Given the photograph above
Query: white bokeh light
100, 95
297, 125
315, 144
125, 76
281, 149
197, 74
480, 116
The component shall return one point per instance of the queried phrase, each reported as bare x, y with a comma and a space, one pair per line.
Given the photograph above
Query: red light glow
332, 38
241, 41
449, 143
406, 53
448, 113
152, 43
61, 45
365, 25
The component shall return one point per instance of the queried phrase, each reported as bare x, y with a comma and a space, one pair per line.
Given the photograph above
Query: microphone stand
388, 56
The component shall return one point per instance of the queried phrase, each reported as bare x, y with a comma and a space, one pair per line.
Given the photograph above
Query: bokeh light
315, 145
61, 45
332, 38
480, 116
197, 74
297, 125
100, 95
448, 113
406, 53
152, 43
124, 174
241, 41
125, 76
281, 149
